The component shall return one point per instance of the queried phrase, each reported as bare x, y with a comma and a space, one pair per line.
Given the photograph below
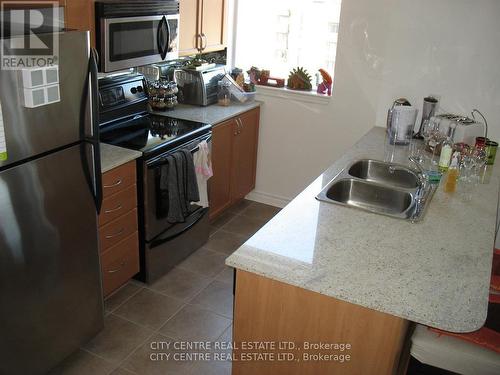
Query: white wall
387, 49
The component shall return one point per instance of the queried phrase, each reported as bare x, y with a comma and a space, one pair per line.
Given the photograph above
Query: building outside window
280, 35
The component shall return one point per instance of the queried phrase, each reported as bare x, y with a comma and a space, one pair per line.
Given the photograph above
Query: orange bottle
450, 182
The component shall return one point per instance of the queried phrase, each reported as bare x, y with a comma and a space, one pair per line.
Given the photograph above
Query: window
279, 35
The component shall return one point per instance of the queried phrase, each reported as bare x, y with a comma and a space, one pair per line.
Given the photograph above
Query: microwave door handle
163, 29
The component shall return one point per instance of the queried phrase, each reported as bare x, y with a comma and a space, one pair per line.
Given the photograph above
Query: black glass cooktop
150, 133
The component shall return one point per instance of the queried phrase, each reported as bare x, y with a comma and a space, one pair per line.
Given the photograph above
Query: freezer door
32, 131
50, 283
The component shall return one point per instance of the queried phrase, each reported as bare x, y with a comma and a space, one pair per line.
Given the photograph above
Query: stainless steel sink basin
386, 173
370, 197
383, 188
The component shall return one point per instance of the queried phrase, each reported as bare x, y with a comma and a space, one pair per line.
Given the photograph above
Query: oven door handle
160, 31
200, 214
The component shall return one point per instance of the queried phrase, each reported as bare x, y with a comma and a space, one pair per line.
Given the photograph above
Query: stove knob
139, 88
133, 90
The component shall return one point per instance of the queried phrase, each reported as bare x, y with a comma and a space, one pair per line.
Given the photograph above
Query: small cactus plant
299, 79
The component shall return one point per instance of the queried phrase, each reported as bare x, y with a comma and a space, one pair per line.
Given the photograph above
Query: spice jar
223, 93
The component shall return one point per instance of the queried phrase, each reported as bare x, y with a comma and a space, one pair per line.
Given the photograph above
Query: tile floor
192, 302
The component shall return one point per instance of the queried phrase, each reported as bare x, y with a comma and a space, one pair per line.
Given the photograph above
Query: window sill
284, 93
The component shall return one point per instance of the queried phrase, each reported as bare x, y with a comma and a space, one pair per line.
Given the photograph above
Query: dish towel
178, 182
203, 168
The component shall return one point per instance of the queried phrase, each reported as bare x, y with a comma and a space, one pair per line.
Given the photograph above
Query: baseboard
270, 199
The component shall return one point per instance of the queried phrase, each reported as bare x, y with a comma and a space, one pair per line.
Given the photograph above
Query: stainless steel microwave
135, 33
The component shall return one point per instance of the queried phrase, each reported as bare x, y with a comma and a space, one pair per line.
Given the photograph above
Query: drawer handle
115, 184
122, 264
115, 234
113, 209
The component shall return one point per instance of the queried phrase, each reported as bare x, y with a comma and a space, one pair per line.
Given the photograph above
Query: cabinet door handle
122, 264
204, 37
199, 42
115, 234
114, 184
240, 125
118, 208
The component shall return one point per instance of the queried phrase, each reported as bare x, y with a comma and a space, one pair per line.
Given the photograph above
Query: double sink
384, 188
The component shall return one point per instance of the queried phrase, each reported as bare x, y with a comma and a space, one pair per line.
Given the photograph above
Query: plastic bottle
446, 150
450, 182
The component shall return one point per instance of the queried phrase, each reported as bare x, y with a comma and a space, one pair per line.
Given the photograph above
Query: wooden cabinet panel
202, 26
212, 24
118, 229
120, 263
375, 338
189, 26
234, 160
220, 183
118, 178
245, 154
79, 15
118, 204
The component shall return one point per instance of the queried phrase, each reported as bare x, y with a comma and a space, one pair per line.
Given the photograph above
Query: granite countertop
114, 156
435, 272
212, 114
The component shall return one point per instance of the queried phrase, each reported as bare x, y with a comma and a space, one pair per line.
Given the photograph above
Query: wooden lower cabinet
120, 263
118, 230
269, 311
234, 160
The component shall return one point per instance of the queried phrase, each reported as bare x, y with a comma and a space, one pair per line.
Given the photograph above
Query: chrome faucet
422, 176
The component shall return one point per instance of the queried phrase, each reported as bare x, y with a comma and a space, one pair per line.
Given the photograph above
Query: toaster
466, 129
198, 87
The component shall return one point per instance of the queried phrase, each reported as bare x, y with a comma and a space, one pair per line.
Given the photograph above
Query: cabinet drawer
120, 263
118, 204
118, 229
118, 179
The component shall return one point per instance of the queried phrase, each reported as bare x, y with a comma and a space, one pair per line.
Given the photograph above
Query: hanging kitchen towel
203, 168
192, 192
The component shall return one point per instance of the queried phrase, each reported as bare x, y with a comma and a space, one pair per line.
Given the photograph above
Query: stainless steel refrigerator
50, 283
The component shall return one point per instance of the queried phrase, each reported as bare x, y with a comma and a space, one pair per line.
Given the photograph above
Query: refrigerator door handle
93, 139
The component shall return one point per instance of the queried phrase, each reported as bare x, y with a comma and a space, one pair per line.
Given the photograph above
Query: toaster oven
198, 87
466, 129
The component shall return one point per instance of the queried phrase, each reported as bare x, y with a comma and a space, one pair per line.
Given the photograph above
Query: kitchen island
321, 272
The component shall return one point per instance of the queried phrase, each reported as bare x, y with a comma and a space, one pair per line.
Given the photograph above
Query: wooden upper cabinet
79, 15
212, 25
245, 154
189, 19
202, 26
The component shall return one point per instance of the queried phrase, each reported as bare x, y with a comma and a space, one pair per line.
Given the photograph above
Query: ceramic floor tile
260, 211
212, 368
121, 295
222, 219
239, 207
244, 225
118, 339
204, 262
122, 371
83, 363
154, 358
227, 335
149, 308
217, 297
226, 275
225, 242
194, 323
180, 283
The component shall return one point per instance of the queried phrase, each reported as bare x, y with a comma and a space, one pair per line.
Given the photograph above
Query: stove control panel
118, 92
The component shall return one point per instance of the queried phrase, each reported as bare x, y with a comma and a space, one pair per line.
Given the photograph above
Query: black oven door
157, 227
135, 41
